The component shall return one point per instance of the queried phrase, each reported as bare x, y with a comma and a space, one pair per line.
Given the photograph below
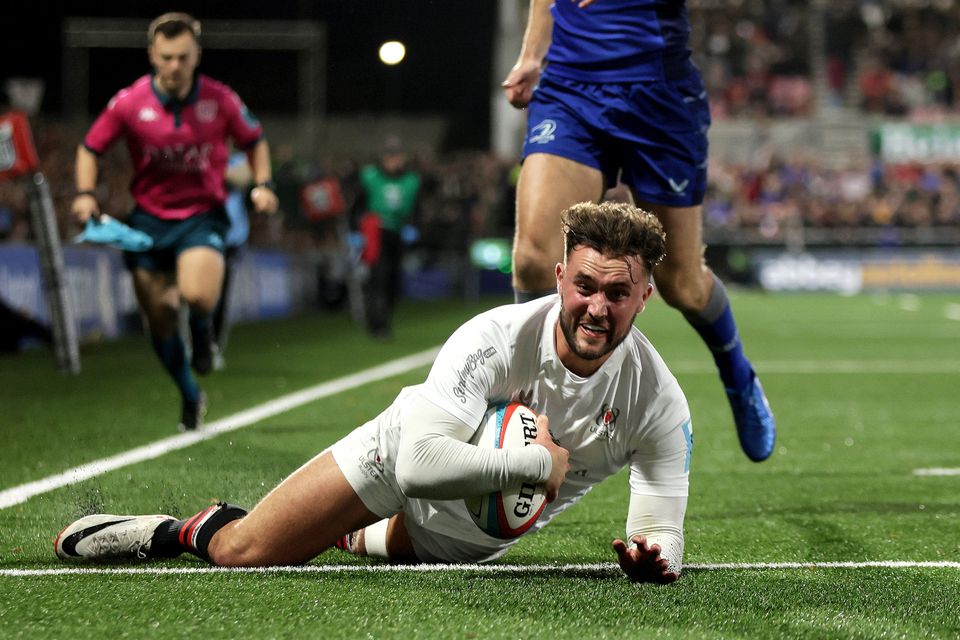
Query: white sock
375, 540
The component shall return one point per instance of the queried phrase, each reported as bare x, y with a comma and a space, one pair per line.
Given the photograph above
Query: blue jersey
621, 41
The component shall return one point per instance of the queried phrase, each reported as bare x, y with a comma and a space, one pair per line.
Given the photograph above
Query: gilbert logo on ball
508, 513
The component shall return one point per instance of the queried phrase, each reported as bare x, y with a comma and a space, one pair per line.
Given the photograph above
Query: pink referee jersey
178, 149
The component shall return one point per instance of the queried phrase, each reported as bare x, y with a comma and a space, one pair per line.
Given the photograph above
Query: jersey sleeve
244, 128
107, 128
660, 463
660, 520
435, 461
469, 368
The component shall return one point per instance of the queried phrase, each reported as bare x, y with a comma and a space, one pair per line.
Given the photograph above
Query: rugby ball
508, 513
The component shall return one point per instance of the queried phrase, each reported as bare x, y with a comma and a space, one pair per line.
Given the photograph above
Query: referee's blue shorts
650, 135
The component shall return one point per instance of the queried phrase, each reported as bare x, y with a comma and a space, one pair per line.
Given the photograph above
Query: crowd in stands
753, 57
799, 200
470, 194
897, 58
464, 195
911, 61
892, 57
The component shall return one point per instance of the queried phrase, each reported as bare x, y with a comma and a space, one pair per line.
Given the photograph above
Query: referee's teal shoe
108, 231
756, 427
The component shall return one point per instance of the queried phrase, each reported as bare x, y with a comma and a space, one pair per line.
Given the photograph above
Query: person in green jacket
390, 189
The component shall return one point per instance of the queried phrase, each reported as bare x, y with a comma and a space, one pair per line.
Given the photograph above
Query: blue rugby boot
756, 426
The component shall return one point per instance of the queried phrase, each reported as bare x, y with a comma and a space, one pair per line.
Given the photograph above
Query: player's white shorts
370, 466
367, 457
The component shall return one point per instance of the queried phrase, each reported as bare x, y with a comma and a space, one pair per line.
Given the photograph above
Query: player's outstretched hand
643, 563
559, 455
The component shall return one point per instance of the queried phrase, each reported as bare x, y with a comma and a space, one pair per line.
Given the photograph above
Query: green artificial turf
865, 390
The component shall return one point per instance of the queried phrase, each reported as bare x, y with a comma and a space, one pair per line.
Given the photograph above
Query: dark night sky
447, 70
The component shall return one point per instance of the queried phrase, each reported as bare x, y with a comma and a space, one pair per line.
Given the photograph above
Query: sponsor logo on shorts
543, 132
474, 360
370, 464
606, 422
678, 187
214, 240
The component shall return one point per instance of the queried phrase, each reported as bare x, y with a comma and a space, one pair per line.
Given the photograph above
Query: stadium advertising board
905, 142
854, 271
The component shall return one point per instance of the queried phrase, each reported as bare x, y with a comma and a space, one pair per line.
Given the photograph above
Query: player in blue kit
612, 95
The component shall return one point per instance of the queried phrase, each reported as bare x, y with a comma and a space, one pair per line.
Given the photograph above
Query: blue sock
718, 330
174, 358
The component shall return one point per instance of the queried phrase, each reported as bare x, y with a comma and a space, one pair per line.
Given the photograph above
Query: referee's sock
201, 336
718, 330
173, 355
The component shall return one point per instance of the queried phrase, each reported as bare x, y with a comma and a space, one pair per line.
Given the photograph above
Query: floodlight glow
491, 253
392, 52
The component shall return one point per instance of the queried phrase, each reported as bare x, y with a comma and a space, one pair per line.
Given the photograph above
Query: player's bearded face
174, 62
599, 299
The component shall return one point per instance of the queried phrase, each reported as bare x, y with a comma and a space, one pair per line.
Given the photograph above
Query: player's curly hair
172, 24
615, 229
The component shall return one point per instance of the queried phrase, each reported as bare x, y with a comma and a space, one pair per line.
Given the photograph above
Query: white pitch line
24, 492
821, 367
482, 568
936, 471
909, 302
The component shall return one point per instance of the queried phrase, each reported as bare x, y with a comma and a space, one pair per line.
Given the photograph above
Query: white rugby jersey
630, 412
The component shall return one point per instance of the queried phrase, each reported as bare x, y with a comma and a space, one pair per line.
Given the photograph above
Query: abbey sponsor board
852, 271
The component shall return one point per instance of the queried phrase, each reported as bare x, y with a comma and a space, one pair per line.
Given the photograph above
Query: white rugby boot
107, 537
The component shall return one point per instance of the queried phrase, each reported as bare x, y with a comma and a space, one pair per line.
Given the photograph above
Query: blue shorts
172, 237
650, 135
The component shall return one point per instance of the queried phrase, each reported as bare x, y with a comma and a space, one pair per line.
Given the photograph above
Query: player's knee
682, 291
200, 300
533, 267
